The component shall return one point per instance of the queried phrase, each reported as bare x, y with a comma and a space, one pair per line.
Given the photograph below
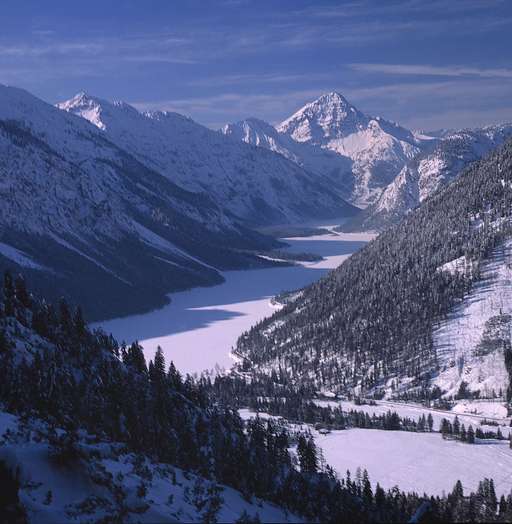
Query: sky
427, 64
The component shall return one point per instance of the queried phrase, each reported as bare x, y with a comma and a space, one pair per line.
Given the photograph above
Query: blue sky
424, 63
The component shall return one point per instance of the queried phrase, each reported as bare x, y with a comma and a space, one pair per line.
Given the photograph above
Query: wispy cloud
219, 109
143, 48
431, 70
361, 8
460, 102
253, 79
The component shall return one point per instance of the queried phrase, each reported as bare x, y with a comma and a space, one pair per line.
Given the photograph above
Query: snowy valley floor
199, 327
421, 462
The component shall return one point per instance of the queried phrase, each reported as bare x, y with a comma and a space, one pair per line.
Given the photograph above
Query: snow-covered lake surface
199, 327
421, 462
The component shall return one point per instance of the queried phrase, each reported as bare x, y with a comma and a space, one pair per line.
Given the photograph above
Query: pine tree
22, 294
9, 295
430, 422
4, 343
306, 451
380, 496
458, 491
79, 323
456, 426
492, 499
159, 373
65, 316
445, 428
503, 508
367, 490
174, 377
471, 435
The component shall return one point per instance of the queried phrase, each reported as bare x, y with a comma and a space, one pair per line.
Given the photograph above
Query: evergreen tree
367, 492
456, 426
430, 422
21, 292
471, 435
9, 295
307, 454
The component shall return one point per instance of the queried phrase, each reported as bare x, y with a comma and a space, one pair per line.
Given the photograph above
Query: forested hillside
90, 433
368, 324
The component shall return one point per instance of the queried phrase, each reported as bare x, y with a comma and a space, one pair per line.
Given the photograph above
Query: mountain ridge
373, 325
331, 136
75, 203
254, 185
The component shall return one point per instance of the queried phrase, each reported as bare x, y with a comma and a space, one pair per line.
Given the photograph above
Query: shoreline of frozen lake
198, 329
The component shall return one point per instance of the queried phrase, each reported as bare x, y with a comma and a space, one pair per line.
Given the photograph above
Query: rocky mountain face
329, 136
255, 185
428, 171
83, 218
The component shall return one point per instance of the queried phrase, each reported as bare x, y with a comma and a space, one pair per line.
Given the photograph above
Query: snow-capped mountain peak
364, 152
431, 169
96, 110
257, 186
329, 116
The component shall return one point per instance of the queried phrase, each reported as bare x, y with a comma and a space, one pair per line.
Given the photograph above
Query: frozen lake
421, 462
199, 327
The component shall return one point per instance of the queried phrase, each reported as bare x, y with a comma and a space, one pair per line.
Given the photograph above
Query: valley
199, 327
256, 262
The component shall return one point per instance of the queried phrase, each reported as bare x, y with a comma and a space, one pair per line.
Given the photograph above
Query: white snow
456, 339
459, 265
435, 167
469, 412
421, 462
331, 137
198, 329
236, 176
485, 409
83, 490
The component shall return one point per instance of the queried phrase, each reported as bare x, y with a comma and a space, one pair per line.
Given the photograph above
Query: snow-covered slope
83, 218
431, 169
360, 152
422, 311
104, 482
255, 185
469, 342
320, 161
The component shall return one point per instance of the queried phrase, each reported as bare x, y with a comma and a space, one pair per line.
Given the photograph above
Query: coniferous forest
55, 370
371, 319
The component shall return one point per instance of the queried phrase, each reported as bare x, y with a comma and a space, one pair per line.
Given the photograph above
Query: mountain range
136, 205
382, 167
331, 136
430, 170
254, 185
147, 203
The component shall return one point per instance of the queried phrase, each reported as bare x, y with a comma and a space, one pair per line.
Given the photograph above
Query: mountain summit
255, 186
330, 116
358, 151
